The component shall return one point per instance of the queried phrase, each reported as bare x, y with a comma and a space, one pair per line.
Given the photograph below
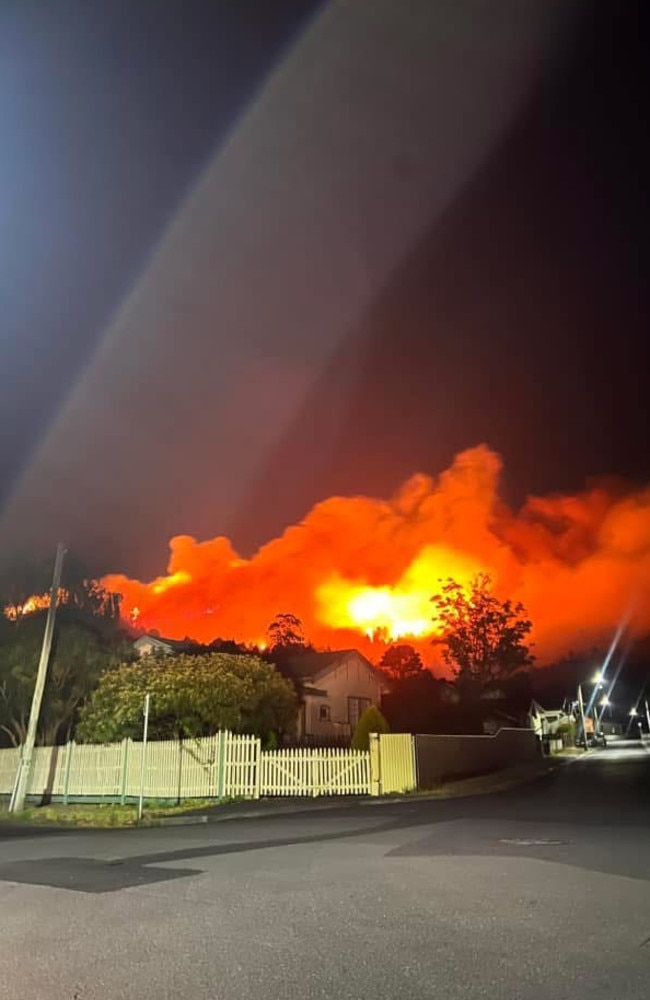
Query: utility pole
24, 764
647, 714
582, 715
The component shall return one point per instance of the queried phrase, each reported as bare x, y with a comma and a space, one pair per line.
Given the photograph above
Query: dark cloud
421, 235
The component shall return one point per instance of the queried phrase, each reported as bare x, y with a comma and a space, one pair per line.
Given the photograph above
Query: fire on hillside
361, 571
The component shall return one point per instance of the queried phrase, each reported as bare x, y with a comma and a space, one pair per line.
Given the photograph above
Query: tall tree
286, 634
190, 696
401, 661
483, 639
80, 655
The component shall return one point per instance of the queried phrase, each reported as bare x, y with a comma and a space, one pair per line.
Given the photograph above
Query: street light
604, 702
598, 681
633, 721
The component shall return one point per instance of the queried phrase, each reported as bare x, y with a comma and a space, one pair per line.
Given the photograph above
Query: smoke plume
361, 570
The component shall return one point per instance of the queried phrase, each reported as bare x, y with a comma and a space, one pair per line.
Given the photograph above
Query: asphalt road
540, 892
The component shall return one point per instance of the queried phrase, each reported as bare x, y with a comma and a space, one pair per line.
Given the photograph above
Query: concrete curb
173, 821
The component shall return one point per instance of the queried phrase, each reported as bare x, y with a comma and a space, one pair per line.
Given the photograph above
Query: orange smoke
361, 571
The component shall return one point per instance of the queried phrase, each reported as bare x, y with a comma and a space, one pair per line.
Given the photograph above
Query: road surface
540, 892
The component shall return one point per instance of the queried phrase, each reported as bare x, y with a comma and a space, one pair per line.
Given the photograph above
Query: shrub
190, 696
372, 721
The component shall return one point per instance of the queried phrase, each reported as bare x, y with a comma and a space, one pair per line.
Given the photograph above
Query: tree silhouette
483, 639
80, 656
286, 634
401, 661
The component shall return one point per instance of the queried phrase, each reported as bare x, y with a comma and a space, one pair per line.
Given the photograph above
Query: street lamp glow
633, 711
604, 701
598, 677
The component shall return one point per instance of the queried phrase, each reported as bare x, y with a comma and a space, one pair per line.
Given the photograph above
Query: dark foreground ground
540, 892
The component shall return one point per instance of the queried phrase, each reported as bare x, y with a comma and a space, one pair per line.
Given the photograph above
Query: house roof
151, 640
158, 641
307, 666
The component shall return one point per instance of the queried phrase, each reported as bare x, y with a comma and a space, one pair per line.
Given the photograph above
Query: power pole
20, 787
582, 715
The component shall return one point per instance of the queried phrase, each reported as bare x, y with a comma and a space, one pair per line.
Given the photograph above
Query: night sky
256, 254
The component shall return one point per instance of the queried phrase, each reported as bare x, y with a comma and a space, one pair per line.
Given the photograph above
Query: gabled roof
151, 640
307, 666
157, 641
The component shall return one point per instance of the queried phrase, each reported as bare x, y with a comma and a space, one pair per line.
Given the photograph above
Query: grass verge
101, 815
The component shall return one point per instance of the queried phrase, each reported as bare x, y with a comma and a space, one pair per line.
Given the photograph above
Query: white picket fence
221, 766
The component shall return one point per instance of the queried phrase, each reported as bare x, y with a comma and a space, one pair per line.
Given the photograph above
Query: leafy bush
371, 721
190, 696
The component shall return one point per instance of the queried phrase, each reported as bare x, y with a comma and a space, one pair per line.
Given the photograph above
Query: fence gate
393, 767
315, 772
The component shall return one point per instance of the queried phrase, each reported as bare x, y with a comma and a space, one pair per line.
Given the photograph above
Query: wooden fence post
258, 767
221, 764
375, 764
68, 764
125, 769
179, 789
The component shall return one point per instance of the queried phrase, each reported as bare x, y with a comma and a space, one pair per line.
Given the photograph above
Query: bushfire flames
361, 571
37, 602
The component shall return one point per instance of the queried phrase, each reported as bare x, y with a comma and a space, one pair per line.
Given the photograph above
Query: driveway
540, 892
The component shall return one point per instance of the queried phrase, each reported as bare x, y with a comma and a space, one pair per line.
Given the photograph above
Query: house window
324, 713
356, 708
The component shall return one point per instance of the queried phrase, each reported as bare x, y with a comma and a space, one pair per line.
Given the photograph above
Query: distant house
335, 688
153, 645
546, 722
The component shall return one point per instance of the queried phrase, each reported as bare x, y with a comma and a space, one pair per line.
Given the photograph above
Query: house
335, 688
153, 645
546, 723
